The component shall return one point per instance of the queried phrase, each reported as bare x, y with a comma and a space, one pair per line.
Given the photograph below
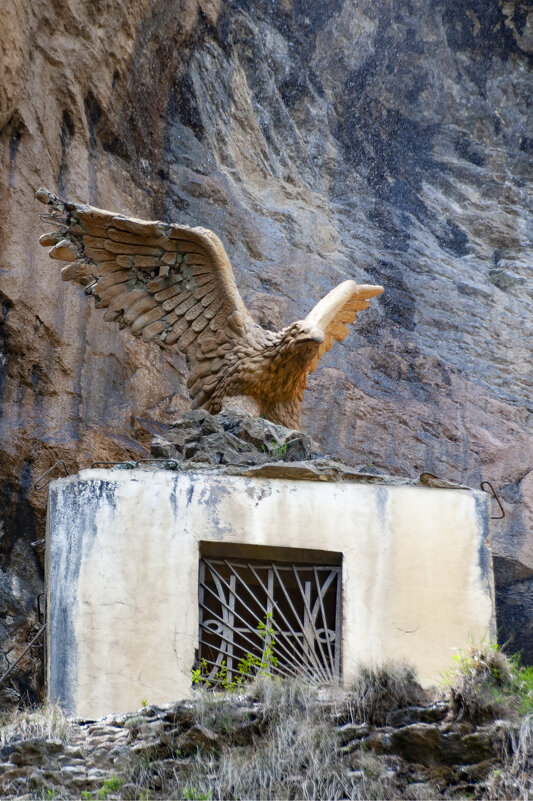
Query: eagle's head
298, 344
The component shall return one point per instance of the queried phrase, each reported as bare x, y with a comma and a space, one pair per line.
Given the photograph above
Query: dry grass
515, 778
296, 694
381, 689
296, 759
296, 755
45, 722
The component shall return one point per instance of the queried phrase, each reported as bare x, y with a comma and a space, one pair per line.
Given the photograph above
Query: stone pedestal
123, 550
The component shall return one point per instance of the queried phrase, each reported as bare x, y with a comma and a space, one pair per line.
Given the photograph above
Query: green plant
248, 667
192, 794
278, 451
111, 785
486, 683
523, 686
200, 676
144, 795
144, 702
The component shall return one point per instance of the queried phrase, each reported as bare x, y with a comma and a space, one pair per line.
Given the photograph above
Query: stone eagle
174, 285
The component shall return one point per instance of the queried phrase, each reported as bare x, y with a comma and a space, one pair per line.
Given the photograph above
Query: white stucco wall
122, 564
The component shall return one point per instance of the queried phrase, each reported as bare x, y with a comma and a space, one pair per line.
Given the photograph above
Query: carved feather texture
340, 306
174, 285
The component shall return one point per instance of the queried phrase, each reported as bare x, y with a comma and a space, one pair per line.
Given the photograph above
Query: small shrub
111, 785
248, 667
486, 684
379, 690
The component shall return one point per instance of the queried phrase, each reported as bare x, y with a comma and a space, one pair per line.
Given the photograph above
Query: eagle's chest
267, 377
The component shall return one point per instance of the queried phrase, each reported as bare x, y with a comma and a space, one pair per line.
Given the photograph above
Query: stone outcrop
179, 749
201, 439
237, 444
385, 142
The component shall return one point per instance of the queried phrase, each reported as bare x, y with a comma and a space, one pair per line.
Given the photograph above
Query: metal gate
281, 619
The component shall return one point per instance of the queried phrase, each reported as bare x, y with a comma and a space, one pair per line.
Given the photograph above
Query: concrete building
152, 571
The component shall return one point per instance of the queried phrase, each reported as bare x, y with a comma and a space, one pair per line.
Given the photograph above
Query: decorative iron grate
286, 617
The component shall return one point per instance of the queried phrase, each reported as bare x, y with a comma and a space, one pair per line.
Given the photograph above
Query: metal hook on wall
495, 496
39, 483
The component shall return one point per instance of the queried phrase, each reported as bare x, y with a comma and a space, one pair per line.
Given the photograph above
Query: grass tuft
46, 722
515, 778
381, 689
486, 684
297, 756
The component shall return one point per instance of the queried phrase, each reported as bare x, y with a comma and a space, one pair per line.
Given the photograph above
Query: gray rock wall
379, 140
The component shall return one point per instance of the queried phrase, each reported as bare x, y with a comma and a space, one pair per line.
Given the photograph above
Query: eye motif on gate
283, 618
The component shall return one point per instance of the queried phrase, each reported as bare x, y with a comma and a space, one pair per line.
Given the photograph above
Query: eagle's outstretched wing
338, 307
168, 283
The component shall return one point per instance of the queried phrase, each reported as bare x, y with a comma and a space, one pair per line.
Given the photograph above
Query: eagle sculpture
174, 285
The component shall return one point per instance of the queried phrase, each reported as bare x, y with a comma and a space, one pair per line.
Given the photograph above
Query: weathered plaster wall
123, 552
383, 141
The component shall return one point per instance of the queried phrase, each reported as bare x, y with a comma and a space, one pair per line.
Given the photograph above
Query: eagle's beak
308, 334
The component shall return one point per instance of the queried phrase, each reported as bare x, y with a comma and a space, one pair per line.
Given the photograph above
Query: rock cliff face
382, 141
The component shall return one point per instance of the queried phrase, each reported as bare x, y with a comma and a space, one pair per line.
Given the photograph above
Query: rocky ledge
202, 439
252, 446
282, 743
